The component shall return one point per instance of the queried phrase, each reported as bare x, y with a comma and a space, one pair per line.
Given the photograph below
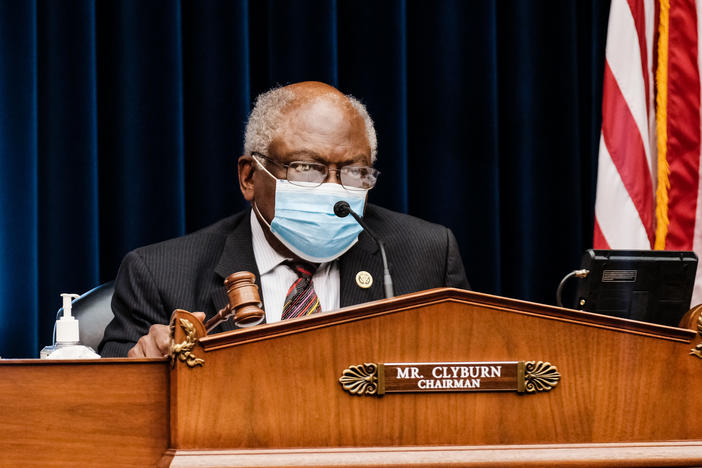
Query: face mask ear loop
255, 206
260, 216
264, 168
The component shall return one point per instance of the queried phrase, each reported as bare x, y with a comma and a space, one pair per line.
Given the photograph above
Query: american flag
648, 178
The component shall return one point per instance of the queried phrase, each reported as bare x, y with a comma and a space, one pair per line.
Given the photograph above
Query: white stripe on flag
615, 211
624, 58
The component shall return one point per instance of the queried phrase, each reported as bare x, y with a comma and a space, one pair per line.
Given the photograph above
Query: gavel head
244, 299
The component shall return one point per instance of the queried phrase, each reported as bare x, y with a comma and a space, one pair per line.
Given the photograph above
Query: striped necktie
301, 298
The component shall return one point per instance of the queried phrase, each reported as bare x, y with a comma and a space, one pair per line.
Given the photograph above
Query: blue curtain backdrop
121, 122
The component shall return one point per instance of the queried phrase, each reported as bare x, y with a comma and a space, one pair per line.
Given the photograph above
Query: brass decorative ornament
697, 350
540, 376
361, 379
183, 351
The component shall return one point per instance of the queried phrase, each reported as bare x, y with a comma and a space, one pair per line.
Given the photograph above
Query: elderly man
307, 146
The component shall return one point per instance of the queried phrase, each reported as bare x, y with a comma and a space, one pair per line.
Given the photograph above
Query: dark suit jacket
188, 272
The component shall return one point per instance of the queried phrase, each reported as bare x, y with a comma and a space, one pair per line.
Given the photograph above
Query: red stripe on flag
638, 12
683, 124
599, 241
626, 148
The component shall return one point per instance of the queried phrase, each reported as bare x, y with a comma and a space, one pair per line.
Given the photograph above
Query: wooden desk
108, 412
270, 395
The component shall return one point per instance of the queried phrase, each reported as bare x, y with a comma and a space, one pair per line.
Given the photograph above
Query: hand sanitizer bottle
67, 344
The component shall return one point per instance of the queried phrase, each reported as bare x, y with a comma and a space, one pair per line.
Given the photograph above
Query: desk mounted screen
646, 285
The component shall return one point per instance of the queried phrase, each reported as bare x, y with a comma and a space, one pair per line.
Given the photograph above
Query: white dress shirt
277, 278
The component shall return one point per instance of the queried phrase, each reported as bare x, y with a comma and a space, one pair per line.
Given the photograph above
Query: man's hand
156, 342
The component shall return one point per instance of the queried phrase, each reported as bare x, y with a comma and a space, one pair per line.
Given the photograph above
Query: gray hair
268, 110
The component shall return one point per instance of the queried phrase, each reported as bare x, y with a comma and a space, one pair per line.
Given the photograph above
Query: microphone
342, 209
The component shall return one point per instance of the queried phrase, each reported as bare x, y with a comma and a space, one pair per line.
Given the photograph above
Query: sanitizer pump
67, 344
67, 331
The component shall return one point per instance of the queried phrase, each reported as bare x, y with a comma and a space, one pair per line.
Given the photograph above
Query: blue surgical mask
305, 223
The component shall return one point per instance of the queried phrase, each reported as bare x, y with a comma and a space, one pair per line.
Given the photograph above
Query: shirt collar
266, 256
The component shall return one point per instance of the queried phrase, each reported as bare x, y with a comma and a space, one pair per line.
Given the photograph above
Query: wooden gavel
244, 302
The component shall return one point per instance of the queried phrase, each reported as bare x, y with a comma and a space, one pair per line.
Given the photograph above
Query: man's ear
247, 168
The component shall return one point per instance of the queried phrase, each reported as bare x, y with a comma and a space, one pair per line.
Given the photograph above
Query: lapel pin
364, 279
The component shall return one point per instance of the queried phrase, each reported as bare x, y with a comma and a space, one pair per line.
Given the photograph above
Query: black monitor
646, 285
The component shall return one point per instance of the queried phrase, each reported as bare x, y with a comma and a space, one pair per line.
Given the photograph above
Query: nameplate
502, 376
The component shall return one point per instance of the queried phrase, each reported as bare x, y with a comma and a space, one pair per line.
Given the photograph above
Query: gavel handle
219, 317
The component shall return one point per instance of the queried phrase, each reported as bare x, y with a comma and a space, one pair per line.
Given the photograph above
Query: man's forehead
318, 122
319, 136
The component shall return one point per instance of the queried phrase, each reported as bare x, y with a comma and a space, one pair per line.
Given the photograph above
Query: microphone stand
343, 209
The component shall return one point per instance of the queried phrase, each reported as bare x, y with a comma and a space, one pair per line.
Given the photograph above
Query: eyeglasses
313, 174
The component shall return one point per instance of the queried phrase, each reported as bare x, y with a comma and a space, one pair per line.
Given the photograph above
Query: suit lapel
237, 255
364, 256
